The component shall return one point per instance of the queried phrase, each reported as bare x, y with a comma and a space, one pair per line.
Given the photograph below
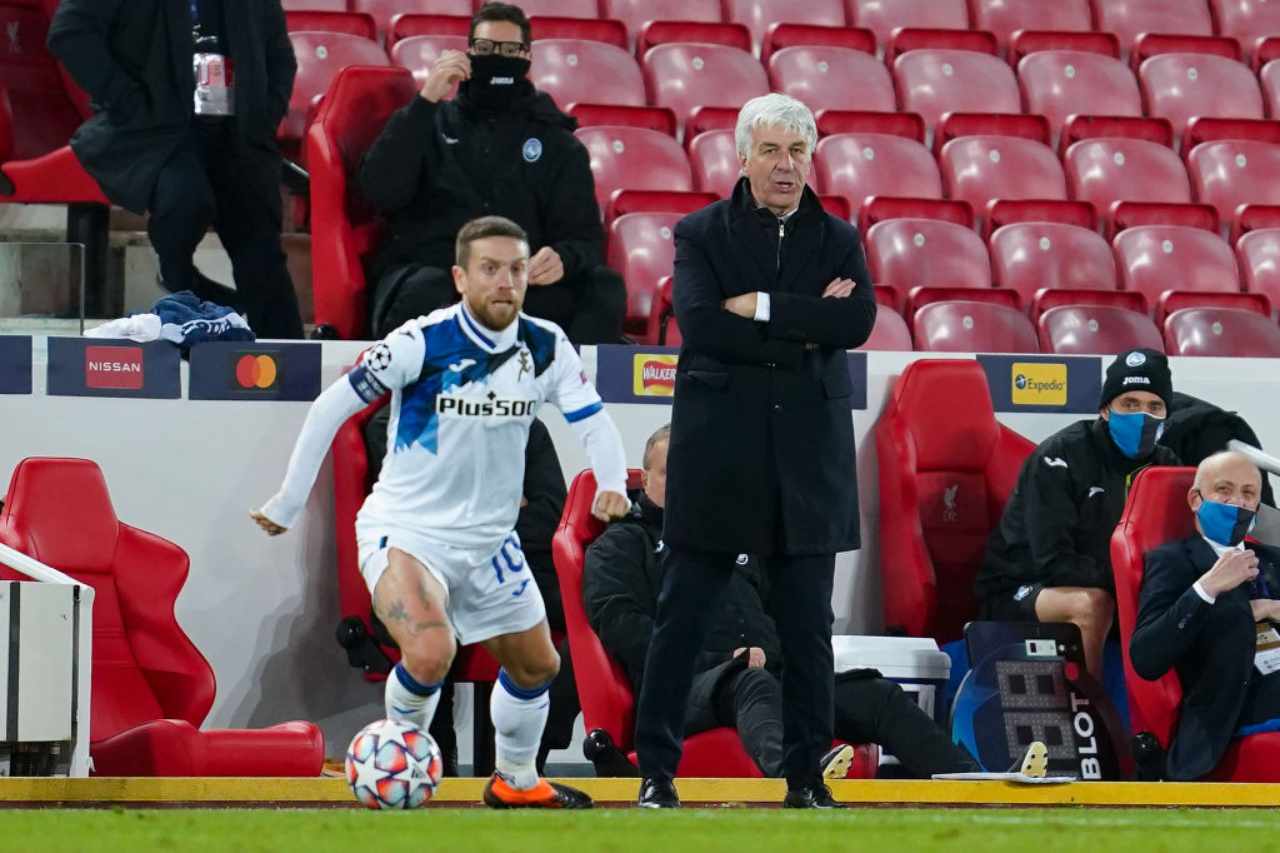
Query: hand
452, 67
1231, 570
545, 267
839, 288
1265, 608
267, 524
743, 305
755, 656
610, 506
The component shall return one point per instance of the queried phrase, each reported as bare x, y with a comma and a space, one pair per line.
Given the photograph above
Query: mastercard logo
256, 371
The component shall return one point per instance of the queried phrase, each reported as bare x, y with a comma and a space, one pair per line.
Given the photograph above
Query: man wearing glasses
498, 146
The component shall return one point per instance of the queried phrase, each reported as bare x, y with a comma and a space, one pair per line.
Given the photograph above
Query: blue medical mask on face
1224, 523
1135, 433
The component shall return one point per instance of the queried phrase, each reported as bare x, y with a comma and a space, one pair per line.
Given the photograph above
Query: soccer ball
392, 765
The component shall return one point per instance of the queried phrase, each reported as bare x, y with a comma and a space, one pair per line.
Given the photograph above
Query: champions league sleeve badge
532, 150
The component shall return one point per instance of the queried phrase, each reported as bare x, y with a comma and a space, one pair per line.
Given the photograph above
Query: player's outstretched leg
411, 603
519, 707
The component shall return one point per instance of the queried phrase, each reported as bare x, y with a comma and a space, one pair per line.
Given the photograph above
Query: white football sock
519, 716
408, 700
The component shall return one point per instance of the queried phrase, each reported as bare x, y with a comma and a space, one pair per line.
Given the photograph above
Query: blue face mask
1223, 523
1135, 433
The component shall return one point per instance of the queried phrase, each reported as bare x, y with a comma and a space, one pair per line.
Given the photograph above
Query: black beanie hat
1138, 370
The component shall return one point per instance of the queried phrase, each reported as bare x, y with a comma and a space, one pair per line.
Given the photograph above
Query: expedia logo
1039, 384
113, 367
654, 375
491, 406
256, 372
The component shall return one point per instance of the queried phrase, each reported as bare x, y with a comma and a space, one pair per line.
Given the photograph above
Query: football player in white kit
436, 537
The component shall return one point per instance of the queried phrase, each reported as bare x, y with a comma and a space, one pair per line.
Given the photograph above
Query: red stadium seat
1155, 44
714, 158
1155, 258
1096, 330
1062, 83
419, 53
943, 482
889, 334
410, 24
1258, 256
968, 326
152, 689
1211, 129
922, 295
759, 15
641, 249
1028, 256
934, 82
860, 165
909, 125
1248, 21
1006, 17
608, 702
1027, 42
320, 57
956, 125
353, 23
1131, 18
1010, 211
907, 253
636, 13
683, 76
882, 17
660, 119
632, 158
318, 5
782, 35
1155, 513
659, 32
344, 230
1047, 298
1176, 300
1230, 173
573, 71
1229, 332
832, 78
1269, 76
385, 11
1179, 86
560, 8
1104, 171
604, 30
656, 201
915, 38
980, 169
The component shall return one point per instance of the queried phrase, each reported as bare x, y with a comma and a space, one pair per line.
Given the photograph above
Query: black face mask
495, 80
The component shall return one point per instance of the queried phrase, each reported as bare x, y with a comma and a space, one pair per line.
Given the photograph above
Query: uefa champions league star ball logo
379, 358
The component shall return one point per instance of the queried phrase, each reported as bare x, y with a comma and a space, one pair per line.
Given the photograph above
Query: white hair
774, 110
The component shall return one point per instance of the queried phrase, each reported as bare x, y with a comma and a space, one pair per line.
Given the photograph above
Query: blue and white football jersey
462, 398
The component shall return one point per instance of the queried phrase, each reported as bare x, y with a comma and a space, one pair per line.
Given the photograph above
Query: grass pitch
991, 830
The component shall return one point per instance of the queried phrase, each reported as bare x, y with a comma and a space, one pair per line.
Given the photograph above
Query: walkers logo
114, 367
236, 371
654, 375
15, 364
1039, 384
89, 368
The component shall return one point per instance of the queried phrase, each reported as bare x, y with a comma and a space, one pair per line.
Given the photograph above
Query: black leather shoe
813, 797
658, 793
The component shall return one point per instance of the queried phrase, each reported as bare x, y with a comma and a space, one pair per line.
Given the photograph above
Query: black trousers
801, 606
216, 179
868, 709
589, 307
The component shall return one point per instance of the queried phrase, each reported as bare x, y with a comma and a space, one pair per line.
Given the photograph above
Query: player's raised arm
387, 365
577, 398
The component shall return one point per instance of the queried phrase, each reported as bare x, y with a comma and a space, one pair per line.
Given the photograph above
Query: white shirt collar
483, 336
1222, 550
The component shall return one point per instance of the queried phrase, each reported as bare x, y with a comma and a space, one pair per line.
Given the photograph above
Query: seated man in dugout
737, 683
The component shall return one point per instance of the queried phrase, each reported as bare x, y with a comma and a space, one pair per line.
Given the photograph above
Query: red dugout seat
152, 688
642, 249
714, 159
320, 57
1006, 17
1062, 83
560, 8
1096, 330
1180, 86
1155, 258
408, 25
683, 76
583, 29
1104, 171
1230, 332
608, 703
889, 334
1258, 258
935, 82
636, 13
836, 78
782, 35
384, 12
759, 15
572, 71
1230, 173
970, 326
1028, 256
1155, 513
354, 23
659, 32
982, 169
944, 482
1131, 18
1248, 21
861, 165
632, 158
907, 253
884, 16
344, 229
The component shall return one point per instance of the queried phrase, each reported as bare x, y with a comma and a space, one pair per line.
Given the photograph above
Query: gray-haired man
769, 293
